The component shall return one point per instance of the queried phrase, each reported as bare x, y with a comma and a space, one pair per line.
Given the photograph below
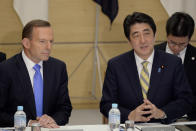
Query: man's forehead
140, 26
178, 38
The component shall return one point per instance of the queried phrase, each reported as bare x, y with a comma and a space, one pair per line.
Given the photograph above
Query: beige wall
73, 22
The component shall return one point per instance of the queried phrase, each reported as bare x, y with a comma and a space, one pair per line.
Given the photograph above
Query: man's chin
146, 54
45, 58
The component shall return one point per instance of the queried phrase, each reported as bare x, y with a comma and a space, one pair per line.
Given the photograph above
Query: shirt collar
168, 50
140, 60
29, 63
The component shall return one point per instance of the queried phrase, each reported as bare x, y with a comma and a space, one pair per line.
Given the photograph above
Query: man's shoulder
2, 54
12, 60
122, 57
54, 61
166, 57
161, 46
11, 64
191, 48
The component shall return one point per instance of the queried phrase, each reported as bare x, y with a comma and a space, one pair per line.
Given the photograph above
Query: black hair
28, 29
137, 17
180, 24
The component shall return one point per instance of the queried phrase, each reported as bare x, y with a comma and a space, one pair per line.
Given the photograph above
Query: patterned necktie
38, 90
144, 79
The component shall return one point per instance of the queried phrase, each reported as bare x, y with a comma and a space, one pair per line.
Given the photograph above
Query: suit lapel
132, 74
26, 84
156, 73
46, 78
188, 56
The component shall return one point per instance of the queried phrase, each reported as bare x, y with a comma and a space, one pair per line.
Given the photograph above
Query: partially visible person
35, 80
2, 56
180, 27
148, 85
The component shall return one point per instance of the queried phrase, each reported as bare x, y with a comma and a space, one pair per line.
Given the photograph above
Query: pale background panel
73, 22
10, 24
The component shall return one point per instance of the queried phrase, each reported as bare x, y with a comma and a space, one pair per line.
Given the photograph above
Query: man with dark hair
180, 27
35, 80
148, 85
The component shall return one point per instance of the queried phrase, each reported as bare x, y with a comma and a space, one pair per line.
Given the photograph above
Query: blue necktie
38, 90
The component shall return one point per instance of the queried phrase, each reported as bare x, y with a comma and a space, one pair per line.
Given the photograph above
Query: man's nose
142, 38
49, 45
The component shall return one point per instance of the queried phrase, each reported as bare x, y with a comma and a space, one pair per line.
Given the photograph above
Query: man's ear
26, 43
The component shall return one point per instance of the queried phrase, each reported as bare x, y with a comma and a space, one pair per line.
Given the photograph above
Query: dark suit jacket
190, 69
16, 89
2, 56
168, 89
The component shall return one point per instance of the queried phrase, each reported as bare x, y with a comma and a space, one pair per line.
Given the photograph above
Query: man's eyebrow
146, 29
180, 43
136, 32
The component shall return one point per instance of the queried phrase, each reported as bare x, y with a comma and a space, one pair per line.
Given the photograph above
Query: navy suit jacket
190, 69
169, 89
16, 89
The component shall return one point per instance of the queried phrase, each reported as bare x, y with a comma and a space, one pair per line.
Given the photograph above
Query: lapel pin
159, 70
193, 58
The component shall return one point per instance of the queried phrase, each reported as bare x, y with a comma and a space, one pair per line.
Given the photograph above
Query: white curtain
188, 6
28, 10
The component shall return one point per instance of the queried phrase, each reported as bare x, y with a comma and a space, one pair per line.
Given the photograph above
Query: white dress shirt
181, 54
30, 64
139, 63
